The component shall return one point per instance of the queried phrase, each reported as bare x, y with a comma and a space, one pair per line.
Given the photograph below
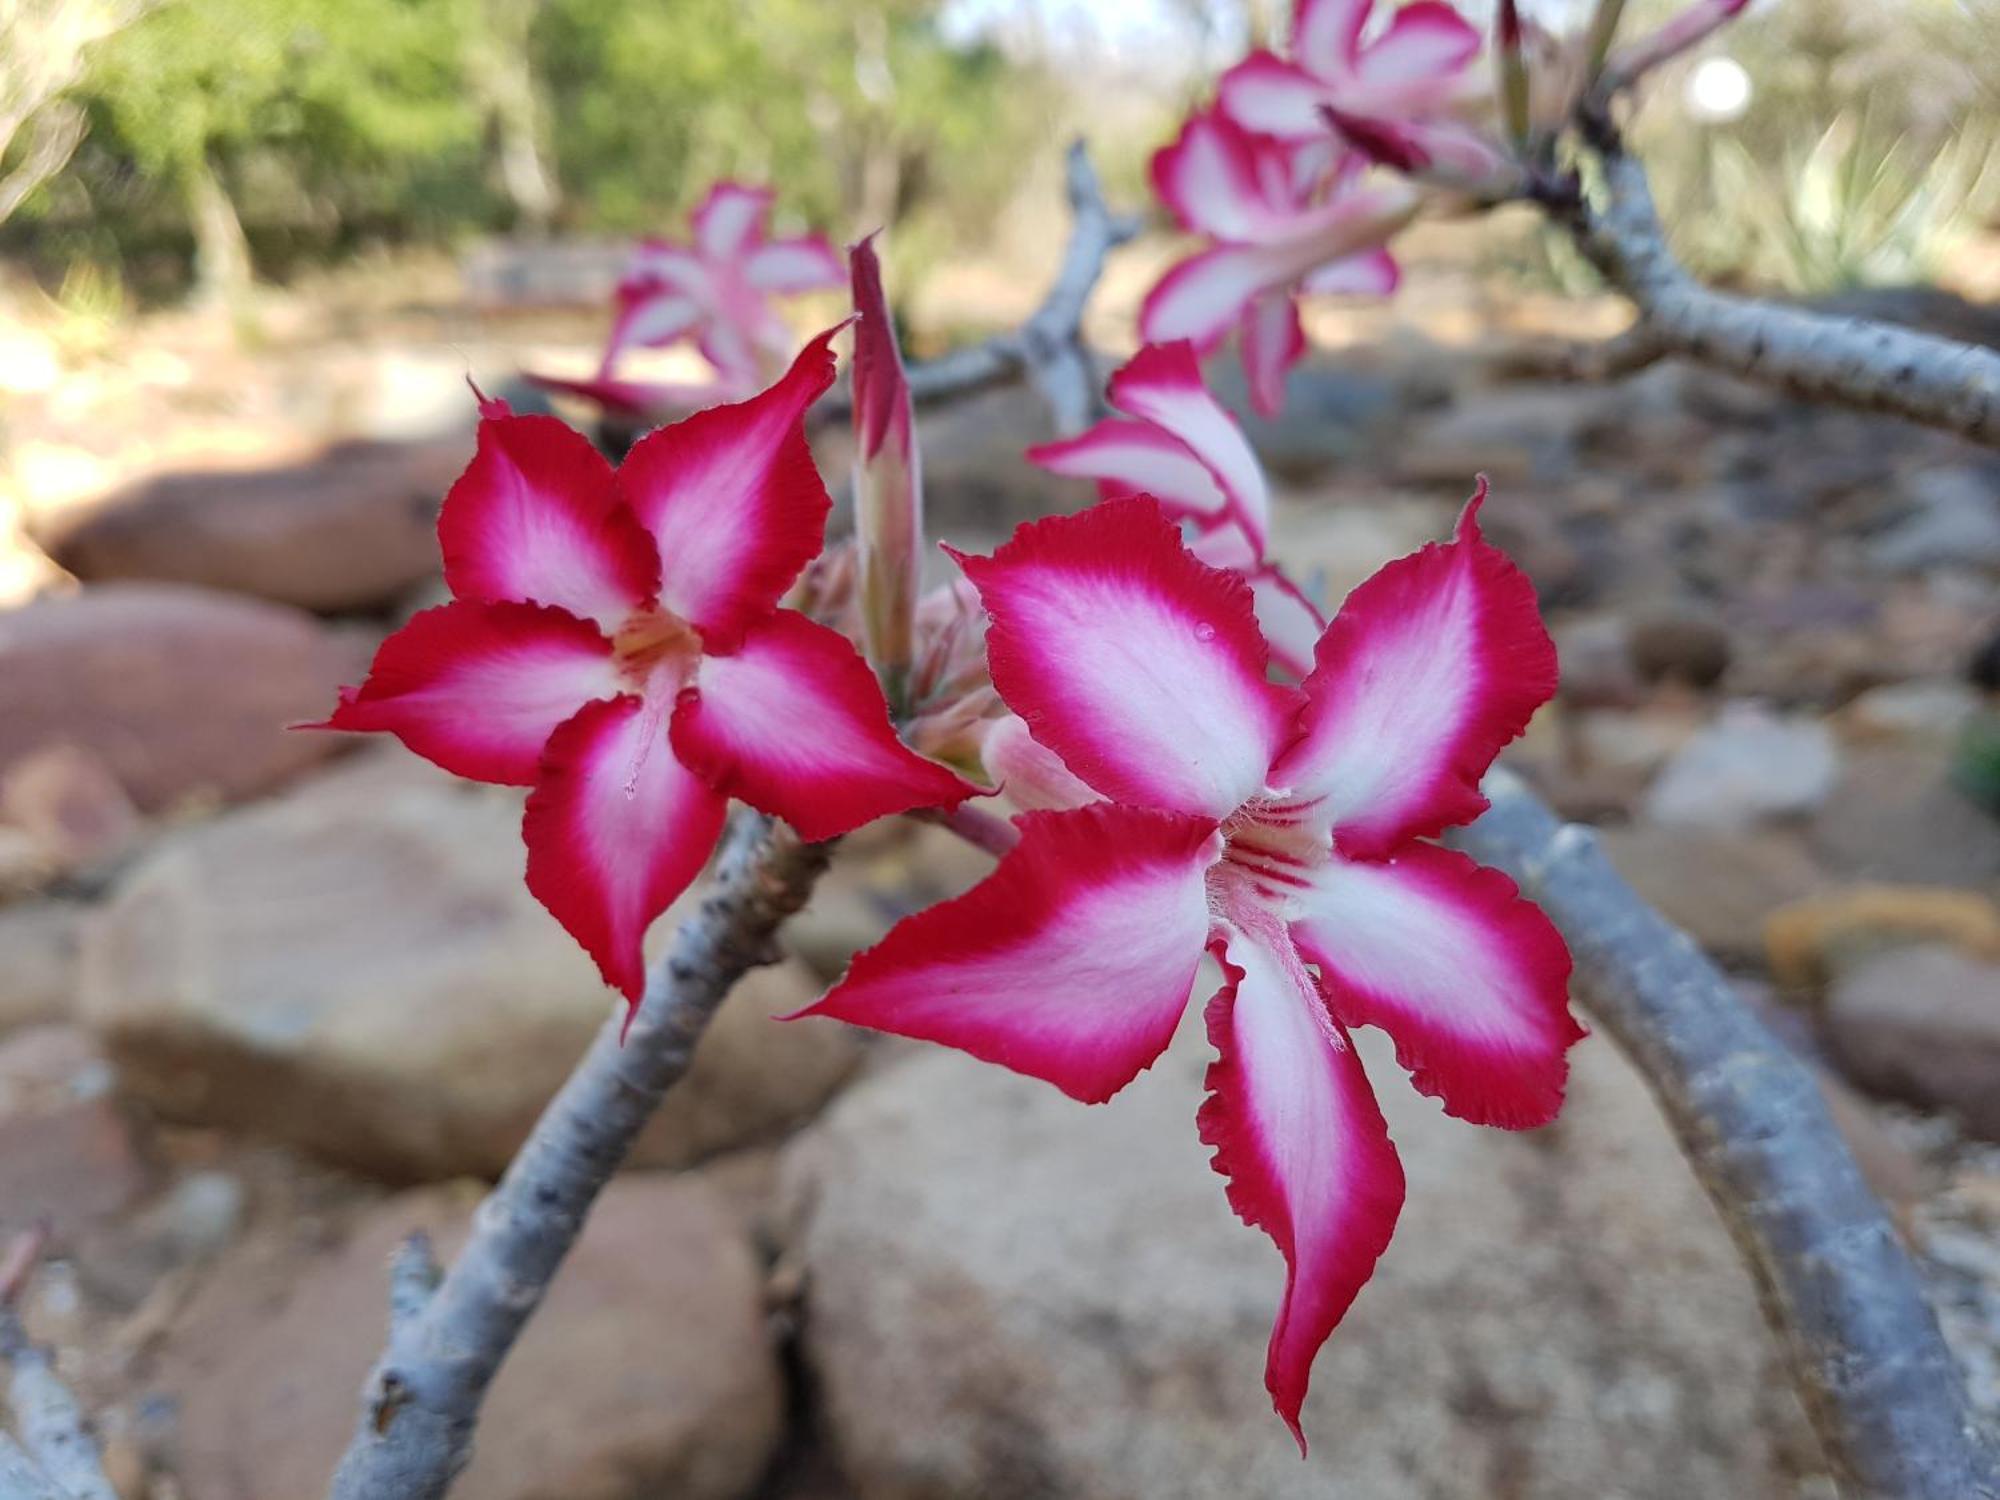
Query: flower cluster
716, 290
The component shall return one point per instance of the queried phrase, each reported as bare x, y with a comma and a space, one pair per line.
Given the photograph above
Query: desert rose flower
1284, 829
1181, 446
615, 642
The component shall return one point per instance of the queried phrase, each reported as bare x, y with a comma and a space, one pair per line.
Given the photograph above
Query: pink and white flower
715, 289
1180, 445
1416, 67
1287, 221
888, 481
1284, 829
614, 642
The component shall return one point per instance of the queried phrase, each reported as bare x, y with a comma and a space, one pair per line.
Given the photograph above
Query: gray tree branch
55, 1438
422, 1399
1817, 356
1864, 1347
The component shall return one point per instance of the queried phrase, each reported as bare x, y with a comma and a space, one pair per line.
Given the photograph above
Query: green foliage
329, 121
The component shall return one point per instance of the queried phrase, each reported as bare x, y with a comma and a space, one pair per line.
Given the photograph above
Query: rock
1596, 664
1925, 712
1332, 409
1517, 436
1009, 1295
1923, 1024
367, 978
1689, 649
68, 1156
68, 801
1329, 548
1716, 884
1956, 523
347, 529
1895, 816
180, 692
647, 1372
38, 962
1747, 766
1810, 940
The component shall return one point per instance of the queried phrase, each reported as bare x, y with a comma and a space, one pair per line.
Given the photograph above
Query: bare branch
413, 1279
1048, 350
422, 1399
53, 1430
1864, 1348
1817, 356
21, 1478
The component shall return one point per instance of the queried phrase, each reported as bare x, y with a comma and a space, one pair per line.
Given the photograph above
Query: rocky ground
268, 1000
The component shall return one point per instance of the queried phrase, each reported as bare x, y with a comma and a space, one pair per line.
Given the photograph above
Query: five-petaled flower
615, 643
1181, 446
1284, 828
1288, 219
718, 288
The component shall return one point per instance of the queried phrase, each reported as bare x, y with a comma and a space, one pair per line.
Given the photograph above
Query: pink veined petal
1273, 97
1211, 178
1289, 619
478, 688
1299, 1137
1162, 384
535, 519
1423, 41
1071, 962
1326, 34
1139, 665
730, 220
663, 263
1372, 273
1028, 773
798, 265
650, 315
733, 499
653, 401
1273, 341
1429, 668
1136, 458
616, 828
1470, 980
792, 721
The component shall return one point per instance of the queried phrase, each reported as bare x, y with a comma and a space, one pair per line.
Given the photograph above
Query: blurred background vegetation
153, 148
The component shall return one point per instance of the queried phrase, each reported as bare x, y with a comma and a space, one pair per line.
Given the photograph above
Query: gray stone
1923, 1024
1717, 884
38, 961
1895, 816
1956, 523
364, 975
646, 1373
1009, 1294
1747, 766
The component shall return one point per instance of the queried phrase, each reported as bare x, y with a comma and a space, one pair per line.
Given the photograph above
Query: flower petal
1445, 956
535, 519
1303, 1144
1136, 663
1201, 298
800, 265
1210, 177
1326, 34
1162, 384
1424, 40
1027, 772
793, 722
1271, 96
651, 401
888, 479
478, 688
616, 829
730, 220
1428, 669
733, 499
1071, 962
1372, 273
650, 315
1273, 341
1136, 458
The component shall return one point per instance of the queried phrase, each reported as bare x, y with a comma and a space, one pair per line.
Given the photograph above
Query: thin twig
422, 1399
55, 1436
1864, 1347
414, 1275
21, 1478
1851, 362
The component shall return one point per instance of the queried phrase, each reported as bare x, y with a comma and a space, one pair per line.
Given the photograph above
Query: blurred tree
43, 56
338, 90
